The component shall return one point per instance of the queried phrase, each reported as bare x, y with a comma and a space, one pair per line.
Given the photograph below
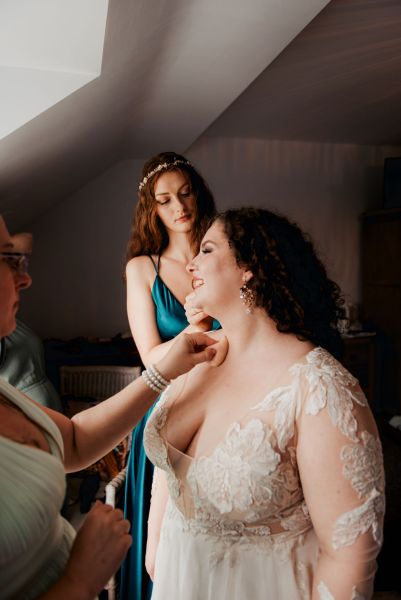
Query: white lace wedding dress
287, 506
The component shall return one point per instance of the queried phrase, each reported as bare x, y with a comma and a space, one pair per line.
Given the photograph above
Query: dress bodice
35, 540
247, 490
170, 314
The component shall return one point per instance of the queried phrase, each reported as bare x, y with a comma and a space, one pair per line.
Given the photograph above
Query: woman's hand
195, 316
100, 546
189, 350
221, 347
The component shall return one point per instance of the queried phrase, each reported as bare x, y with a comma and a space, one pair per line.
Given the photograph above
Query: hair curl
289, 281
148, 234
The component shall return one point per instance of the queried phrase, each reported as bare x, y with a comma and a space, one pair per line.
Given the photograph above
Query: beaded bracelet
154, 379
156, 373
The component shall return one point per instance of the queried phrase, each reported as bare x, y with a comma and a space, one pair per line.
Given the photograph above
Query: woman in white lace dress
273, 461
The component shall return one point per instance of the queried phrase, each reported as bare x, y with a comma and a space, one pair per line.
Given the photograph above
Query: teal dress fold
135, 583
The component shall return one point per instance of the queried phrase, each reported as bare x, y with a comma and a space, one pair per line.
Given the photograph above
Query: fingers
195, 316
190, 297
188, 306
203, 356
221, 349
189, 350
199, 338
206, 348
192, 311
99, 547
98, 505
112, 515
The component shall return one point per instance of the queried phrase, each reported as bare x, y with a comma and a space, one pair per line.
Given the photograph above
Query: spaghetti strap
154, 264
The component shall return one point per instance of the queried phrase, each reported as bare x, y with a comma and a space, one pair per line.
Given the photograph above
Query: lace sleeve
341, 469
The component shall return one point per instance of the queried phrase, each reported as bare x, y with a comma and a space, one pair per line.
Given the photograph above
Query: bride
272, 460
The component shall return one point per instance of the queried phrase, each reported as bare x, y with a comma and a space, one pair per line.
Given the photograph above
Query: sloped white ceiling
339, 81
199, 57
170, 68
48, 50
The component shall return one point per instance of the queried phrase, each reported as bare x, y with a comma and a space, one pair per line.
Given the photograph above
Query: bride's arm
340, 464
156, 513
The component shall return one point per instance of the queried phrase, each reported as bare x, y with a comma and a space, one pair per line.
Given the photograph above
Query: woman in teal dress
173, 210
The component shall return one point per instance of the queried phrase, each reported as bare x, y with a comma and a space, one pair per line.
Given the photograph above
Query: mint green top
35, 541
24, 366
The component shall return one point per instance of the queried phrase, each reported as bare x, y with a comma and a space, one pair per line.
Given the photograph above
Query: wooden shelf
381, 297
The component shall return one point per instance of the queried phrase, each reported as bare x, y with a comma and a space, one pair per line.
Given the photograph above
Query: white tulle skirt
191, 565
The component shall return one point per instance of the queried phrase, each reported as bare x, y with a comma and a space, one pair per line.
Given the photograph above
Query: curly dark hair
289, 281
148, 234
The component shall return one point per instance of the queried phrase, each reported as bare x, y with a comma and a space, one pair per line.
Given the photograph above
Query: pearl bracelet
156, 373
155, 380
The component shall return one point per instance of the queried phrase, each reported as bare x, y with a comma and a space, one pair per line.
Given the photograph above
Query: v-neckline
36, 416
304, 361
168, 290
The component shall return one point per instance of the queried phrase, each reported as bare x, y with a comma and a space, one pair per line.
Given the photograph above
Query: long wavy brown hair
289, 280
148, 234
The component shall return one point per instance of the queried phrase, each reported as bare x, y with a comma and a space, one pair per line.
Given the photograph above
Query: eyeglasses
17, 261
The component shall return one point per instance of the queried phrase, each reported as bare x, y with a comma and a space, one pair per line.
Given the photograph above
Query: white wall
79, 249
323, 187
80, 244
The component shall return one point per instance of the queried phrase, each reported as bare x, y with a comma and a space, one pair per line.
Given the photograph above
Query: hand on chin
195, 314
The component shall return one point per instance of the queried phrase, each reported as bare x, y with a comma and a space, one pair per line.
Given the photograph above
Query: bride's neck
255, 335
248, 332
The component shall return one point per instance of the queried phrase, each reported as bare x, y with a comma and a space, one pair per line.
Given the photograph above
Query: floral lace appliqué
324, 593
358, 521
286, 401
229, 537
304, 577
356, 595
155, 445
363, 467
229, 475
329, 385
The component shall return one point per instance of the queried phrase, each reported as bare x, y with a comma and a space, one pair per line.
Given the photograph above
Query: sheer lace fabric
289, 501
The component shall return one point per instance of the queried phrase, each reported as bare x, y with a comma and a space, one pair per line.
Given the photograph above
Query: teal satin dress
135, 582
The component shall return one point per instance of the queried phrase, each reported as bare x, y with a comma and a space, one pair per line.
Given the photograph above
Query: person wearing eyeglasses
18, 261
22, 361
40, 556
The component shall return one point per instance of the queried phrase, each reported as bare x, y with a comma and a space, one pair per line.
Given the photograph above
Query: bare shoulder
140, 262
140, 268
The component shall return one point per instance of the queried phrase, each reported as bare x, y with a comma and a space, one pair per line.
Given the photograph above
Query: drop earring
248, 298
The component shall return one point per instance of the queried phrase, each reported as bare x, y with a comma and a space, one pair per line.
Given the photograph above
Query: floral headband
160, 167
